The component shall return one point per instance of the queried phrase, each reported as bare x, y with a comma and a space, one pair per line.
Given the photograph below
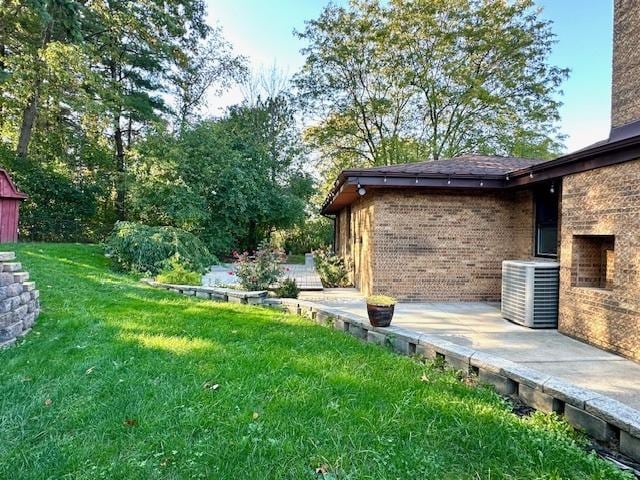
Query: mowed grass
121, 381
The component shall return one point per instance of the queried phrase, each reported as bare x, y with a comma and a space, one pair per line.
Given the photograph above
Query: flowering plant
260, 270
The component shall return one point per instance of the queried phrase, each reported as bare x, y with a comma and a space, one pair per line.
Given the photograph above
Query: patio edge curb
597, 415
589, 411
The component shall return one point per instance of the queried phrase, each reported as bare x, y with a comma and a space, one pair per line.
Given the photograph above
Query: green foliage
288, 288
58, 208
260, 270
229, 181
331, 268
313, 234
81, 84
177, 274
121, 377
411, 80
381, 300
140, 248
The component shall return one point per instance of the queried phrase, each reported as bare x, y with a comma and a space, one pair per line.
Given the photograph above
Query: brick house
439, 231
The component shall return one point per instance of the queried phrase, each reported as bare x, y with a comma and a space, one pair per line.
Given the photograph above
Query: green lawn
118, 380
295, 258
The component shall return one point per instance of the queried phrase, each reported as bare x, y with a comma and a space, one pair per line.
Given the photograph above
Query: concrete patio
305, 275
481, 327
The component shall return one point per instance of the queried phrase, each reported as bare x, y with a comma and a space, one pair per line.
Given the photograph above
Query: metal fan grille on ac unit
530, 292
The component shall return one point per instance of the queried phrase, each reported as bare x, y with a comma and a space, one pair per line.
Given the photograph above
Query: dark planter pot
380, 316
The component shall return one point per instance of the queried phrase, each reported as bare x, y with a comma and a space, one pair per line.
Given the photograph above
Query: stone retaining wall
19, 300
213, 293
601, 417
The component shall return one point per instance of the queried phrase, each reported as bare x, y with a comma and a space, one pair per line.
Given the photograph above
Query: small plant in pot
380, 309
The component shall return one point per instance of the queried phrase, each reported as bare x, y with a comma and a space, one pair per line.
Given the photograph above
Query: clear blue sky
262, 30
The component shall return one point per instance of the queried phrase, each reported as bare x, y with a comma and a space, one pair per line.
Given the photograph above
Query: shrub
261, 270
331, 268
288, 288
313, 234
381, 300
178, 275
140, 248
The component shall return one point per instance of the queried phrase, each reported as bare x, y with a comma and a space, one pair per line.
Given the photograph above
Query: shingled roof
484, 172
463, 165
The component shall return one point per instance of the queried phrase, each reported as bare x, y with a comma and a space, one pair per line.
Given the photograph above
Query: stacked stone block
19, 300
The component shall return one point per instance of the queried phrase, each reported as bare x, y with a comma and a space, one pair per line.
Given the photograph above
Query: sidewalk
305, 275
479, 326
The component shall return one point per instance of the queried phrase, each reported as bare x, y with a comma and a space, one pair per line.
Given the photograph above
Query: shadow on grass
261, 393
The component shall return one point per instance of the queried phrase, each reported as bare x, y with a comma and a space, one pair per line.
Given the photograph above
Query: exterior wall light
552, 189
508, 177
416, 179
385, 179
482, 183
530, 174
361, 191
449, 181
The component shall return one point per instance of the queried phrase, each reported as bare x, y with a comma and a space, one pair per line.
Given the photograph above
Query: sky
262, 30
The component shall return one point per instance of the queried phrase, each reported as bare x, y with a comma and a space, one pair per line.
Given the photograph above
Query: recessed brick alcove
19, 300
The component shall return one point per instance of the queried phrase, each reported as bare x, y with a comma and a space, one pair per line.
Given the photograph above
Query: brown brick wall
440, 246
626, 63
354, 241
597, 205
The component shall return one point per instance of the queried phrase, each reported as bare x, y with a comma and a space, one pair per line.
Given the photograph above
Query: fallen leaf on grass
48, 402
322, 470
89, 370
130, 422
255, 415
424, 378
210, 386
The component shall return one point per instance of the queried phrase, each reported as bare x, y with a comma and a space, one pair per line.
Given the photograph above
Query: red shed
10, 199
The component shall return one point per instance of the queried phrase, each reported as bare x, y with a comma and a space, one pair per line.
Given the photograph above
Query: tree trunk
121, 186
28, 120
30, 112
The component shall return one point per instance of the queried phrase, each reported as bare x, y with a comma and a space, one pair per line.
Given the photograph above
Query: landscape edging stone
544, 390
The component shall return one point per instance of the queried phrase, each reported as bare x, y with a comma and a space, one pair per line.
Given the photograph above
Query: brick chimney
625, 101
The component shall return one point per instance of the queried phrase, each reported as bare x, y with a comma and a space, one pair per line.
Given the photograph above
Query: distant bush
288, 288
140, 248
261, 270
177, 274
331, 268
313, 234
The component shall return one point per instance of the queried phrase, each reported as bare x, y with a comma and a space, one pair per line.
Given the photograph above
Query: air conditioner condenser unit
530, 292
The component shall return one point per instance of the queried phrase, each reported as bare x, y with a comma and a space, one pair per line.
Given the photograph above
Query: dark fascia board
349, 179
599, 156
602, 155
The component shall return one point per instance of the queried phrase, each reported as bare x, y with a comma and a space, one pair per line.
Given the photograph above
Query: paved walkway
481, 327
224, 275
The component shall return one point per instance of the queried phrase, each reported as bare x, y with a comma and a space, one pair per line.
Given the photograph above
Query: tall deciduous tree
416, 79
210, 68
231, 181
32, 33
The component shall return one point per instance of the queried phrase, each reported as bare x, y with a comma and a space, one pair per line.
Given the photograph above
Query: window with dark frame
546, 231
